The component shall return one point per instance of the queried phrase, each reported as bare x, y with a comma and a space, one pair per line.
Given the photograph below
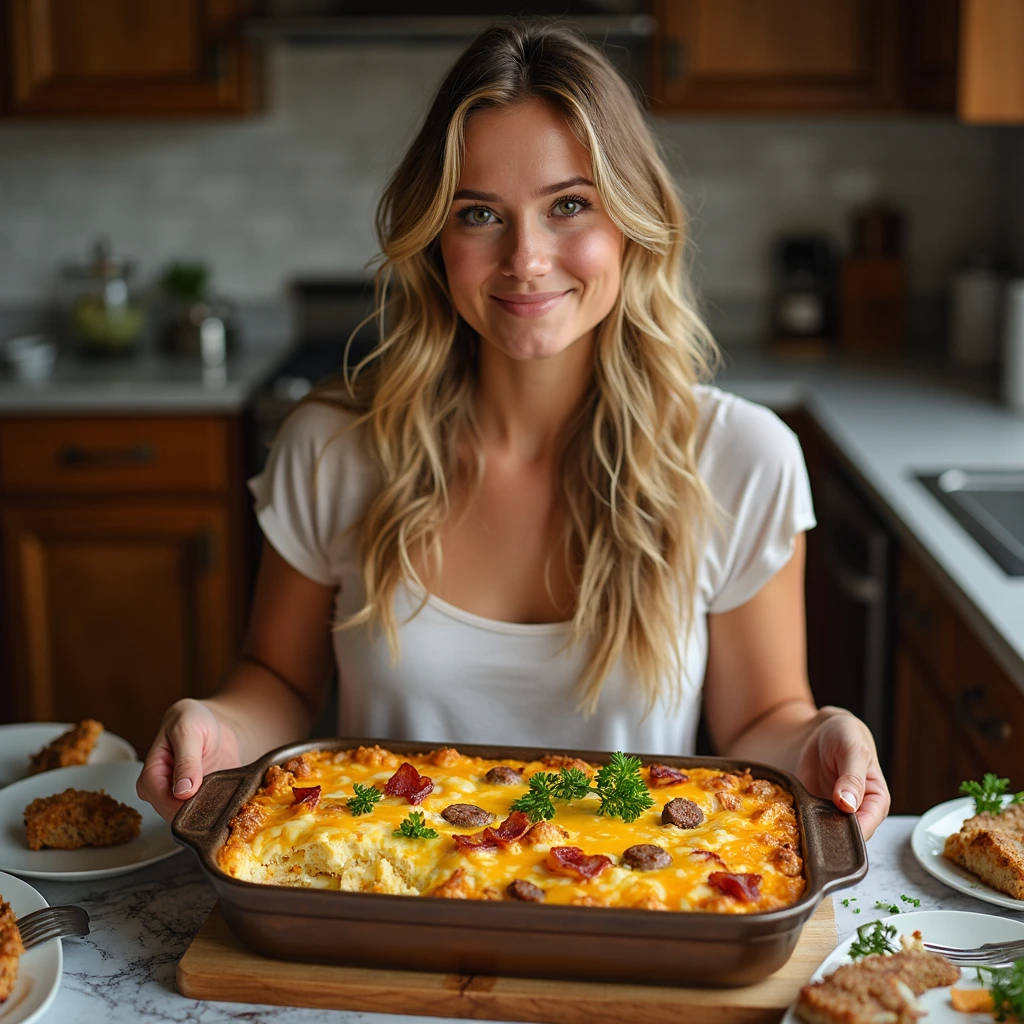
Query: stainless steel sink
989, 504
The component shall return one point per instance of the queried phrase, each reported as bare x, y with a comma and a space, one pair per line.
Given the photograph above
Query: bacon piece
572, 861
745, 887
514, 827
663, 775
707, 855
409, 783
306, 796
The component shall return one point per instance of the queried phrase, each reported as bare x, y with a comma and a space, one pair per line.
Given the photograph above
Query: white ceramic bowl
31, 356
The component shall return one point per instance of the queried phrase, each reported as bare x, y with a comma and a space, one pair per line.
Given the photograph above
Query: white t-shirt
466, 679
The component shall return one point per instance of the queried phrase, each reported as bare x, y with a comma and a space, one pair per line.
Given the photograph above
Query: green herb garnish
891, 907
571, 784
874, 937
537, 801
622, 791
413, 827
1007, 987
911, 900
848, 901
365, 798
988, 794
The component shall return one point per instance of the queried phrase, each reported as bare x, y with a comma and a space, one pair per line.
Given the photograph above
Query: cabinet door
924, 765
127, 57
931, 33
775, 55
991, 72
116, 610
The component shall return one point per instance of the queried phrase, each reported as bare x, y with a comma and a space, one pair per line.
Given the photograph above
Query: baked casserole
451, 825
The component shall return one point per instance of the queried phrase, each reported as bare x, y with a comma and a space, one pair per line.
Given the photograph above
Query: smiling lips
529, 303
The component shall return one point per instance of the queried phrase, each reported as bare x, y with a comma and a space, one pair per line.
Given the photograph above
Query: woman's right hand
193, 741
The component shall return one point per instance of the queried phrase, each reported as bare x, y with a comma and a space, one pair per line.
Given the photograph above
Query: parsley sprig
1007, 987
988, 794
365, 798
546, 787
414, 827
873, 937
622, 791
618, 784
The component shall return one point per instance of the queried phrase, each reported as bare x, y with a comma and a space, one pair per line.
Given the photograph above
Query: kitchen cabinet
760, 56
954, 57
126, 58
957, 713
123, 566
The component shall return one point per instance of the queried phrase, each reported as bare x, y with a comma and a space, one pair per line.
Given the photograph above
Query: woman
525, 518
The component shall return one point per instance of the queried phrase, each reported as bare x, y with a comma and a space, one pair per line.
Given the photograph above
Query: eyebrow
490, 197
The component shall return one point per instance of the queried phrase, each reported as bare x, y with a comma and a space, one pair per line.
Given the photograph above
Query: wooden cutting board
217, 966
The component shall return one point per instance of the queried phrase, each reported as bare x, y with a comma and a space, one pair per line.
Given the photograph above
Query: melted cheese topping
748, 823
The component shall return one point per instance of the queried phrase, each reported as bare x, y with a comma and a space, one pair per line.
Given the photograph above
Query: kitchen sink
989, 504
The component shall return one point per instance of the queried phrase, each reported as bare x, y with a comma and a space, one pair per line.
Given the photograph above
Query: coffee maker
804, 293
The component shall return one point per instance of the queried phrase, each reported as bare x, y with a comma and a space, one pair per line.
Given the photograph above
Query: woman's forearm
778, 737
263, 710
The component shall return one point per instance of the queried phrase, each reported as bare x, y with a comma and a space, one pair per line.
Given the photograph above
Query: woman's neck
523, 406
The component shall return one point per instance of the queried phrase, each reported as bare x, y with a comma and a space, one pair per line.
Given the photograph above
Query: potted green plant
186, 286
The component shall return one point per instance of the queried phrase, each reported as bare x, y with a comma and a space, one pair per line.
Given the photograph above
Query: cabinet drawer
926, 621
989, 709
113, 454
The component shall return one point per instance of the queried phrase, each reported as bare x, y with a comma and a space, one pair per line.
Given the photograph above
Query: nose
525, 254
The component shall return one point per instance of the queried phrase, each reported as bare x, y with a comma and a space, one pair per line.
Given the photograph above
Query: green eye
569, 207
478, 216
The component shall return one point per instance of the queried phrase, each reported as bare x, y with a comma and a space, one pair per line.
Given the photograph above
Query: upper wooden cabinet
955, 57
991, 72
776, 55
69, 58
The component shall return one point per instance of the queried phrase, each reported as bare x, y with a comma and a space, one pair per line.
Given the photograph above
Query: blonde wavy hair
636, 509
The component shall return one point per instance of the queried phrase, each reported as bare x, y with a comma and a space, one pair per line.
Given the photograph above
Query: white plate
39, 968
117, 778
948, 927
928, 839
19, 742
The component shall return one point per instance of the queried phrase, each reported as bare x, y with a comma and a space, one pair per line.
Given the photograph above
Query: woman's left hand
838, 761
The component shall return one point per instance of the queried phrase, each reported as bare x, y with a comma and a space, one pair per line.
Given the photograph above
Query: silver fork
991, 954
52, 923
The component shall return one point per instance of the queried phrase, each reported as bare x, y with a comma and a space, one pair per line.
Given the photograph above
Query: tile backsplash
293, 189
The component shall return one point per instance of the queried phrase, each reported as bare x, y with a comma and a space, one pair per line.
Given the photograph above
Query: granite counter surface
123, 972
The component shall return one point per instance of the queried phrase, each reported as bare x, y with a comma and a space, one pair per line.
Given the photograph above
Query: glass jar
103, 316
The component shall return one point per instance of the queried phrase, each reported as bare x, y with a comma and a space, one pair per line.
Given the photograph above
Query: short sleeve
311, 488
754, 466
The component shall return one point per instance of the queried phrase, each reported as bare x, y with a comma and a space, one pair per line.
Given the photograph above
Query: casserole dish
509, 937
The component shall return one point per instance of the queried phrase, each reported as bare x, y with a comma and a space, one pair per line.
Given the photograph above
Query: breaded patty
76, 818
71, 747
995, 856
875, 989
10, 949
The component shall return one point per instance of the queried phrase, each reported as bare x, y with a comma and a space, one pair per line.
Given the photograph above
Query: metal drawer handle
991, 727
135, 455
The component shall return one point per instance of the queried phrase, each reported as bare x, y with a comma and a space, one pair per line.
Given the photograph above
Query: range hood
360, 22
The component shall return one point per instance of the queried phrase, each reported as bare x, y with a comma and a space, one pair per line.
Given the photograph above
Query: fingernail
848, 798
182, 786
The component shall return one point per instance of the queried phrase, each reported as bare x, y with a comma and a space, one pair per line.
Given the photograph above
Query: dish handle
204, 815
836, 853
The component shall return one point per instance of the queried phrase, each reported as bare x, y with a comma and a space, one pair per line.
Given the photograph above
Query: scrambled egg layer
749, 826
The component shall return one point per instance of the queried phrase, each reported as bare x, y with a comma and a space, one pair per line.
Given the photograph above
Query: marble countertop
123, 972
